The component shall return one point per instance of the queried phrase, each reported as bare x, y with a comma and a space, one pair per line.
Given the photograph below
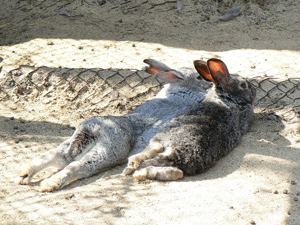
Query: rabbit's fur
193, 142
102, 142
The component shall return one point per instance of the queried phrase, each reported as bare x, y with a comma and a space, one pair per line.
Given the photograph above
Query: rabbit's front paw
159, 173
128, 170
24, 175
49, 185
133, 163
141, 175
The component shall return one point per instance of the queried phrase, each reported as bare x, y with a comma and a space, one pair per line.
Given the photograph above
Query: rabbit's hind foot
49, 185
25, 175
70, 173
55, 181
149, 153
50, 158
158, 173
60, 179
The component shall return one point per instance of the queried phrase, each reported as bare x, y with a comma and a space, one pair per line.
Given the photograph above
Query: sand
257, 183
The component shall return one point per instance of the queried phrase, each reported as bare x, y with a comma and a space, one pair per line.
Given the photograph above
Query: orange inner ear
218, 70
202, 69
152, 70
214, 66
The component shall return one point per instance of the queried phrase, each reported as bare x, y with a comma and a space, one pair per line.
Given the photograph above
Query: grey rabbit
103, 142
194, 141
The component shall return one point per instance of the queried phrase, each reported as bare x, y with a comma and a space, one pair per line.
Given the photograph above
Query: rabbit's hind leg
99, 144
100, 157
70, 150
53, 157
61, 178
89, 165
150, 152
83, 139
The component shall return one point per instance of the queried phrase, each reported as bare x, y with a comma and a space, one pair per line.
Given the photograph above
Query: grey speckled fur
103, 142
193, 142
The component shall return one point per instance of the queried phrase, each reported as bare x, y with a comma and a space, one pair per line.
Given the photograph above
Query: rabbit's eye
243, 85
199, 78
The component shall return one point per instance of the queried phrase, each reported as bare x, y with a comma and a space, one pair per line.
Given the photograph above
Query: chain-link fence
278, 95
91, 92
98, 89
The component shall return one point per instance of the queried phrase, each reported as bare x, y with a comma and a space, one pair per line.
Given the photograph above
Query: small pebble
252, 222
293, 182
102, 2
230, 14
275, 192
179, 5
68, 197
64, 13
285, 192
50, 43
296, 199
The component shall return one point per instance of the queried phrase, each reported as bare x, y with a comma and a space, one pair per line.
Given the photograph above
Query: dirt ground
257, 183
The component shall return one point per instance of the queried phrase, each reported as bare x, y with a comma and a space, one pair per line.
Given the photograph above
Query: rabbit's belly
152, 118
143, 140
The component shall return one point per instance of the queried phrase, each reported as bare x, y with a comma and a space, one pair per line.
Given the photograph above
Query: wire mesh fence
98, 89
278, 95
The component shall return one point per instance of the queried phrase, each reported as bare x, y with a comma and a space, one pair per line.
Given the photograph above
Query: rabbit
103, 142
194, 141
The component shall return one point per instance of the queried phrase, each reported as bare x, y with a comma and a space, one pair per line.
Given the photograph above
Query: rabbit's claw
25, 175
22, 180
133, 164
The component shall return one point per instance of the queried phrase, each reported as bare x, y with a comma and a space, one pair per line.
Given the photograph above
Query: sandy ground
257, 183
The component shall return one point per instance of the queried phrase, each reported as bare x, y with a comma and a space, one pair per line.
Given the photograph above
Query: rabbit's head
184, 80
232, 87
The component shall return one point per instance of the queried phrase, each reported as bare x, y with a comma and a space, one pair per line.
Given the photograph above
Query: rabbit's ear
202, 69
160, 70
218, 70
